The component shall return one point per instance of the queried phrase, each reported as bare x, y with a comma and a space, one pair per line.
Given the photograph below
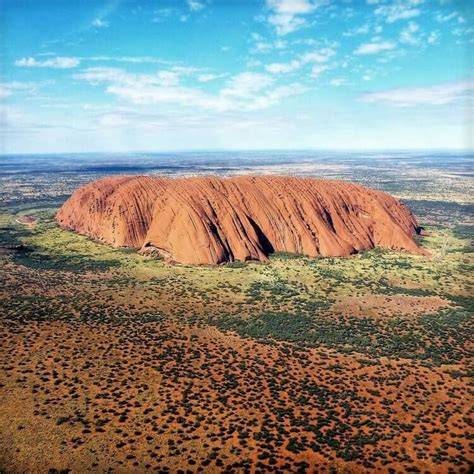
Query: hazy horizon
247, 150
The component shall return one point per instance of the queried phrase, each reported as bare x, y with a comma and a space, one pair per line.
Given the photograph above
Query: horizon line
245, 150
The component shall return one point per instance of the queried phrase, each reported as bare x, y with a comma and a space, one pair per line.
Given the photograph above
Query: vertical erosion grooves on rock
210, 220
115, 210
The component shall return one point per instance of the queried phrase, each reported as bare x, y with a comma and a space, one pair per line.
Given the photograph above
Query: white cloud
165, 13
168, 78
97, 75
317, 70
400, 10
441, 94
14, 87
98, 23
194, 5
320, 56
274, 96
246, 84
442, 18
263, 46
208, 77
59, 62
286, 15
280, 44
279, 68
408, 34
4, 92
433, 37
356, 31
245, 91
160, 14
306, 41
128, 59
10, 118
337, 82
374, 47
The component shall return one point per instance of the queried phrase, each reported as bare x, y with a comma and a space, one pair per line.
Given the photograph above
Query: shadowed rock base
209, 220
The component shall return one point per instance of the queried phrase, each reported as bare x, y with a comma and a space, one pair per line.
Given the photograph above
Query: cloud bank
431, 95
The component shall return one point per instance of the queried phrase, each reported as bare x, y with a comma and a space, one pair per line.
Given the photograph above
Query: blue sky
153, 75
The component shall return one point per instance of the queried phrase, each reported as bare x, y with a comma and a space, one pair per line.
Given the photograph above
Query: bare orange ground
29, 221
168, 377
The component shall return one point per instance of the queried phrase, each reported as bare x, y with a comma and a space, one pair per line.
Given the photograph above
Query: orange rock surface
210, 220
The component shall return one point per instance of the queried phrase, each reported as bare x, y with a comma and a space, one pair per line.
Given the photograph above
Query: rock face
209, 220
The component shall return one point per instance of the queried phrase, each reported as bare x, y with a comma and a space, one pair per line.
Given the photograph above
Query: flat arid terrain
113, 361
